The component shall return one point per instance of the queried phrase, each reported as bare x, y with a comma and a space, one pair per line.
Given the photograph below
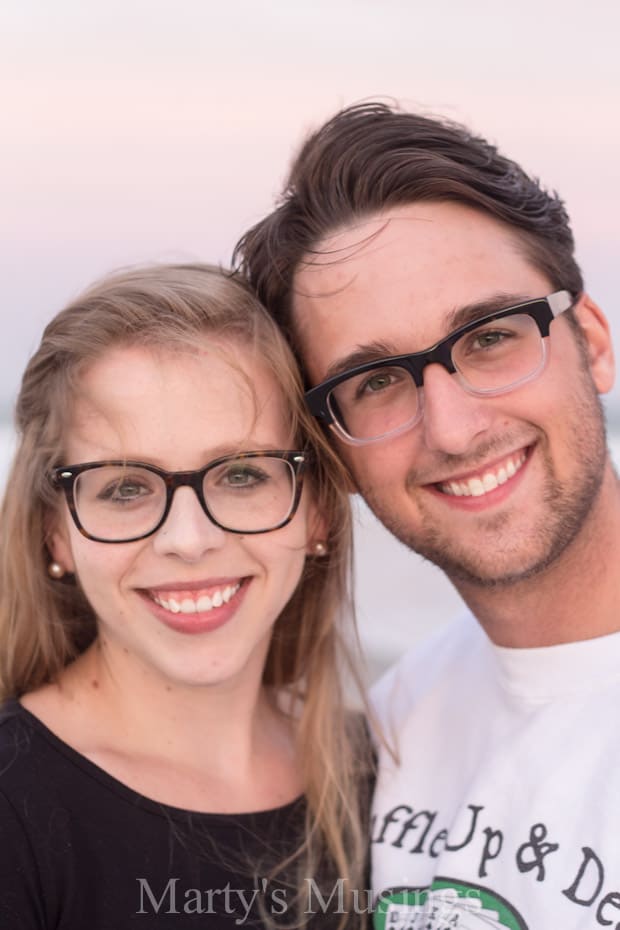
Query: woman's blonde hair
44, 623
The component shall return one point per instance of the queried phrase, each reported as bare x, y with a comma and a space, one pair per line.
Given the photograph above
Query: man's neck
575, 598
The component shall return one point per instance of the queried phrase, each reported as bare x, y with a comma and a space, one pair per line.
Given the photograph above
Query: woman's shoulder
15, 734
11, 712
24, 755
38, 771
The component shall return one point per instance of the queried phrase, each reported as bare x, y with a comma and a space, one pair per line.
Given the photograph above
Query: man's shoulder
447, 653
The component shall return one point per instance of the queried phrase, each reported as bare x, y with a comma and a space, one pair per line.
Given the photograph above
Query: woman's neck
225, 747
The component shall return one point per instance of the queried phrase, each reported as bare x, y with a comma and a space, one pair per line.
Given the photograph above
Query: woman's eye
243, 477
124, 491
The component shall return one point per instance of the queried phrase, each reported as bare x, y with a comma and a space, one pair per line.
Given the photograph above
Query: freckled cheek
102, 576
289, 554
283, 562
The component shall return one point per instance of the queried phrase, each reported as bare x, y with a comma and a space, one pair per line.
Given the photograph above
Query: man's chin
496, 574
498, 555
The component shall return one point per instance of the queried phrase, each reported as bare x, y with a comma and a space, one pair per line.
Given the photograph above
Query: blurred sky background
159, 130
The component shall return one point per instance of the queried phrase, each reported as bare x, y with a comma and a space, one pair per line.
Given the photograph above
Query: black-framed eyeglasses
491, 355
123, 501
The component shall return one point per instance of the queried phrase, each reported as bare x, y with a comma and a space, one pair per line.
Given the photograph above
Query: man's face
396, 282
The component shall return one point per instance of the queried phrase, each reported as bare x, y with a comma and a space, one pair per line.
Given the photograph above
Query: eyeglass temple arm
561, 301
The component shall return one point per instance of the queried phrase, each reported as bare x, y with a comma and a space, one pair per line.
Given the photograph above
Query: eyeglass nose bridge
186, 479
417, 362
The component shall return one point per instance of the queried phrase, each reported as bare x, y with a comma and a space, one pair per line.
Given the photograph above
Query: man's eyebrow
469, 313
376, 351
370, 352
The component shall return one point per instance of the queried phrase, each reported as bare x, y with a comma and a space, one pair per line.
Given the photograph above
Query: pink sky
151, 130
136, 130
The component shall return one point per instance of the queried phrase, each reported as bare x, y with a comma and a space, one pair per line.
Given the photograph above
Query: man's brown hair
372, 157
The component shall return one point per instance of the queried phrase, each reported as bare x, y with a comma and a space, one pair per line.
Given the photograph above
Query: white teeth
489, 481
204, 603
477, 487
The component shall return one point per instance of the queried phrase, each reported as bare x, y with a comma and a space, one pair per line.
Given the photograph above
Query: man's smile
486, 479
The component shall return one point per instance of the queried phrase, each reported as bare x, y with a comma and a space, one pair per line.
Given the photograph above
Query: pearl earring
55, 570
319, 549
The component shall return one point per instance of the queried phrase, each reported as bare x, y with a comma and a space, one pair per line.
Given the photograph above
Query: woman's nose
187, 531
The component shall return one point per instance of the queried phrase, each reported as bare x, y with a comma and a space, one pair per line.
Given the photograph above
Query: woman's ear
597, 341
58, 541
317, 542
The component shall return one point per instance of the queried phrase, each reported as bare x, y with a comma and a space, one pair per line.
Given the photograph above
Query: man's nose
187, 531
453, 419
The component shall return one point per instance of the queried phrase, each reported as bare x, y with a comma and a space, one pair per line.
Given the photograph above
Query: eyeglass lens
119, 502
493, 357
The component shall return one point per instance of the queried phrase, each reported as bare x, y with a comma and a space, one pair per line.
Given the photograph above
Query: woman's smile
196, 608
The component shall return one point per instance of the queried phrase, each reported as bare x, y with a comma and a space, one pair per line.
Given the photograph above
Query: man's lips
485, 479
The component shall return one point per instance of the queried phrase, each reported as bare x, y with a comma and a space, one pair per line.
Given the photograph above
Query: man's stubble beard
565, 510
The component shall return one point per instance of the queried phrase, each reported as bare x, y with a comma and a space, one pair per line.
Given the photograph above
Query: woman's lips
196, 608
202, 600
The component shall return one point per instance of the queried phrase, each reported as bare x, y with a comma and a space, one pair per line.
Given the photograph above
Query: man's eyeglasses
489, 356
118, 501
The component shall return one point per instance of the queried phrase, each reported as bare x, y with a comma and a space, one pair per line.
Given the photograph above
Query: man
430, 289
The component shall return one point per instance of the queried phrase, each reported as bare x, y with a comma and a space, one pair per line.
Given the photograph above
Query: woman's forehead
141, 398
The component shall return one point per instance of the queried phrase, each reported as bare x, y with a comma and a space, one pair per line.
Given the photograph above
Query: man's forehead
341, 267
337, 254
399, 282
414, 247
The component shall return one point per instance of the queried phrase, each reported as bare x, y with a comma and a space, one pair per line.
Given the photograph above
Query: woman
174, 747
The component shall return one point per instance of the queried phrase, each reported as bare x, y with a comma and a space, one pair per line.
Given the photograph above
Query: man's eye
486, 339
377, 381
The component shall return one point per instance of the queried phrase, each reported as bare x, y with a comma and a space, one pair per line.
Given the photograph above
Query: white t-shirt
504, 808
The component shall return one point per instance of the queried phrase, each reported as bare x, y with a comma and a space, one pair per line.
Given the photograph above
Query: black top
81, 851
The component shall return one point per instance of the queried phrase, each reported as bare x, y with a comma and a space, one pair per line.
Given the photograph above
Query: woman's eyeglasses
121, 501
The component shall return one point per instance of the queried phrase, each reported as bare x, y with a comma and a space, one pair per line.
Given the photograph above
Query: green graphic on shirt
447, 904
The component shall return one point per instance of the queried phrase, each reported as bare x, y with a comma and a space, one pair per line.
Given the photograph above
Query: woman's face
192, 604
